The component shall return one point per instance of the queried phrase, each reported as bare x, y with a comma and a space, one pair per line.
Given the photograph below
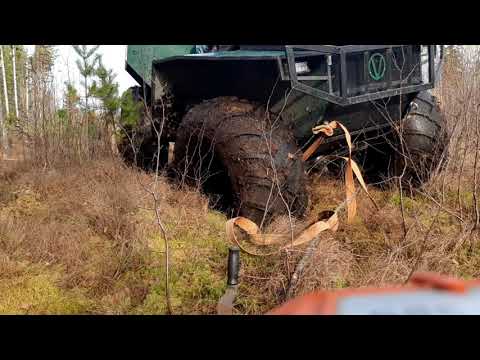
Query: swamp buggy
241, 117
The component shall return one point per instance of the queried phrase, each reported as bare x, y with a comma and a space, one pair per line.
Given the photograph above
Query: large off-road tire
424, 138
256, 170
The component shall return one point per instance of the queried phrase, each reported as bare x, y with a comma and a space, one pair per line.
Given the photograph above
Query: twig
155, 198
475, 200
158, 132
440, 205
167, 258
402, 207
304, 261
306, 258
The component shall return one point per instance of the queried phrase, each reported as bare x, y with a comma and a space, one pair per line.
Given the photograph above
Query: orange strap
285, 241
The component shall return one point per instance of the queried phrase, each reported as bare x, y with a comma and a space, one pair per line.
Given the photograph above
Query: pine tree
70, 101
41, 74
106, 90
131, 110
43, 60
86, 66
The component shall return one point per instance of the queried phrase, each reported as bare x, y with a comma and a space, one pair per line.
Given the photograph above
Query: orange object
425, 293
312, 148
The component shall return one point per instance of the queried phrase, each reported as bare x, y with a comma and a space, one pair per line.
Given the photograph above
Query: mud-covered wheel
226, 146
424, 139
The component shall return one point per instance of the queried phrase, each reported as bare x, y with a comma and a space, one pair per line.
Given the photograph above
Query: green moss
197, 268
444, 222
466, 197
409, 204
39, 295
251, 304
195, 288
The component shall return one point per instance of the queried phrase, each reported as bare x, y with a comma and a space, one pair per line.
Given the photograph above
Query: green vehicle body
140, 58
263, 76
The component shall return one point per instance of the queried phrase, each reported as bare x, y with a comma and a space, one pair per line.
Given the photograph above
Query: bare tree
15, 95
26, 89
2, 121
5, 97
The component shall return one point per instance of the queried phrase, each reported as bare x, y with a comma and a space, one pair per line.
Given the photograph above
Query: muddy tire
230, 140
424, 139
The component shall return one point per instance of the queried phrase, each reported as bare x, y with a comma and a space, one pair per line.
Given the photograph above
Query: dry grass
79, 223
84, 240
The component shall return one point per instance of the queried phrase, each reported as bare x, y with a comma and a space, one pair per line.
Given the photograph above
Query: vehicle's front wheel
227, 147
424, 140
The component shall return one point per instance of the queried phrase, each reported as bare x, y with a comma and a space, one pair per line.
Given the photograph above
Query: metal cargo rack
337, 72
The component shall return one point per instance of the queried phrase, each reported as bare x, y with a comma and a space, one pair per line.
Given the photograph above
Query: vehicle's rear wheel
227, 147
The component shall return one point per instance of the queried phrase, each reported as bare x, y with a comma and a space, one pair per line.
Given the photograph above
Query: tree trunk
86, 90
26, 88
3, 128
14, 62
2, 121
5, 92
86, 115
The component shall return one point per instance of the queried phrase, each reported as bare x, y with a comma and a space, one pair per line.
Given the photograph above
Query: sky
113, 58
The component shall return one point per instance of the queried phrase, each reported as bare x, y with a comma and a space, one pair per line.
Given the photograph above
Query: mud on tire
424, 139
253, 167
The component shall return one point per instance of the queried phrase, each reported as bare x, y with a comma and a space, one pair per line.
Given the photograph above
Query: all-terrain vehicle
241, 116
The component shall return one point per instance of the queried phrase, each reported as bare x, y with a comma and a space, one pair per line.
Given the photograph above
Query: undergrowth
85, 241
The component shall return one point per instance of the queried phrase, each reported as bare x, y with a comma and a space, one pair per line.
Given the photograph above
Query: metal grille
352, 74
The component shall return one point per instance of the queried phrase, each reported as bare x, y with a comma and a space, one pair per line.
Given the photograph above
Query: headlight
302, 68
